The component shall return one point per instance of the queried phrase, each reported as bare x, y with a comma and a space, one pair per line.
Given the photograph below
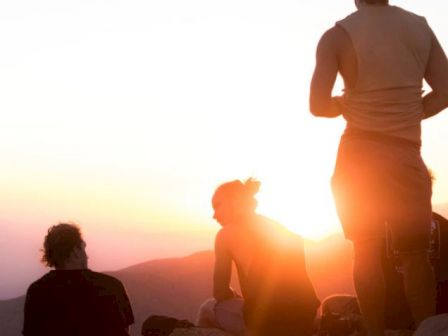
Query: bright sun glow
305, 209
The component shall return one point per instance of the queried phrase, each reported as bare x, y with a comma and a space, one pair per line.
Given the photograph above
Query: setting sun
304, 208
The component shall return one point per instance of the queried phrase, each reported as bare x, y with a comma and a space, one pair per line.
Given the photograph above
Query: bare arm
322, 104
223, 270
437, 77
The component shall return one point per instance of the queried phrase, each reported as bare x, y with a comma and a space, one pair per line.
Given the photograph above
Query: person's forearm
223, 294
331, 108
433, 103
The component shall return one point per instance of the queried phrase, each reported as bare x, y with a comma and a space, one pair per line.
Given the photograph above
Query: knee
206, 314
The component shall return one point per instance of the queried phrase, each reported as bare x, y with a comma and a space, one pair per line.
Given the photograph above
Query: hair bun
251, 186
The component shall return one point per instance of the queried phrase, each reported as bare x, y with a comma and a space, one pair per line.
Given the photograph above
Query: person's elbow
317, 109
326, 107
321, 109
441, 96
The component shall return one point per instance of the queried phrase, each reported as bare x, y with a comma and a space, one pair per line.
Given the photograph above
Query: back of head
59, 243
241, 192
376, 2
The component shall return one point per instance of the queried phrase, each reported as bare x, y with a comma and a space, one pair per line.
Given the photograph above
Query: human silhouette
72, 300
277, 296
383, 54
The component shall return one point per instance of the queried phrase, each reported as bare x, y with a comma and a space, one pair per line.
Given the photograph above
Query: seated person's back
280, 297
73, 300
271, 270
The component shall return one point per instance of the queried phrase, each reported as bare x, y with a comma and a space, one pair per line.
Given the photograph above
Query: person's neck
68, 266
365, 4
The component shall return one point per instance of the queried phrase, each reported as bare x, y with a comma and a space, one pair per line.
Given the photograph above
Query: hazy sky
125, 115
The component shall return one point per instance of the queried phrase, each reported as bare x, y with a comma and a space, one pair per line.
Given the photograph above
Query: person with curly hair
72, 300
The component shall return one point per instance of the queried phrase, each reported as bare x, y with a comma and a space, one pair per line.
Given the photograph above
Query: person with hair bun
276, 297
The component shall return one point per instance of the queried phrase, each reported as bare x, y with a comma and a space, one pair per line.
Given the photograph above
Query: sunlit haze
125, 115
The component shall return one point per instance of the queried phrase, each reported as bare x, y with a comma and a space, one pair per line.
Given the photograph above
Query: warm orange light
308, 211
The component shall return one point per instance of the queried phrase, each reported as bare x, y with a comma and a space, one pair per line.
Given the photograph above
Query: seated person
398, 314
277, 296
72, 300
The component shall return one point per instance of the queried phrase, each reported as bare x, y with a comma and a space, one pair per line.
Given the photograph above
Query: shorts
382, 181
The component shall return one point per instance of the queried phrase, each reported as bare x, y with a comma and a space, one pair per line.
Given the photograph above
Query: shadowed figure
341, 315
72, 300
397, 313
383, 54
277, 296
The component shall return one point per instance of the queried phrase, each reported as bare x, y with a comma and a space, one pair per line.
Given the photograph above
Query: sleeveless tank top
392, 47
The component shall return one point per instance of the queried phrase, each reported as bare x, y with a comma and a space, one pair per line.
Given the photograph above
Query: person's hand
235, 293
340, 103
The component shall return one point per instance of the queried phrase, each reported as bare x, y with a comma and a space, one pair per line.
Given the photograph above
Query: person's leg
419, 285
369, 284
206, 315
229, 316
442, 297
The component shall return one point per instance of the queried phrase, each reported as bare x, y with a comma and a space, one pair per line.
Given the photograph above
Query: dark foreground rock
198, 332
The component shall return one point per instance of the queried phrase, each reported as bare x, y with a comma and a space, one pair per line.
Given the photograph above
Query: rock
197, 331
398, 333
433, 326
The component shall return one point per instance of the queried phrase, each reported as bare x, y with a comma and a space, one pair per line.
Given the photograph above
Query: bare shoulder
334, 38
221, 236
228, 233
333, 41
224, 238
232, 237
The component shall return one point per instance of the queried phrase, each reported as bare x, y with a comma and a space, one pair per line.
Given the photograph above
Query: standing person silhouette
277, 296
383, 54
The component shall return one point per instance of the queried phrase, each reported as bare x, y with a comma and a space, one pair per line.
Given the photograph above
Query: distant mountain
11, 316
177, 286
174, 287
441, 209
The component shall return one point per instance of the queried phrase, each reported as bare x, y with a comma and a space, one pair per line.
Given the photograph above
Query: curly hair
372, 2
59, 242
